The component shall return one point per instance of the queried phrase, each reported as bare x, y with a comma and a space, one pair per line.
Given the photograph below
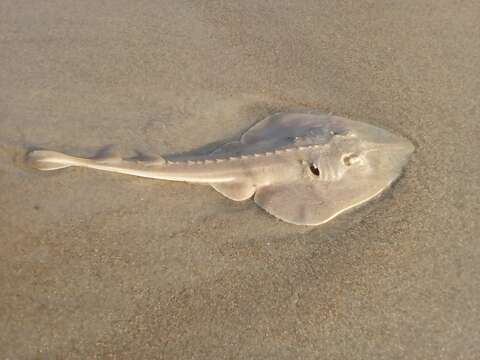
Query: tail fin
50, 160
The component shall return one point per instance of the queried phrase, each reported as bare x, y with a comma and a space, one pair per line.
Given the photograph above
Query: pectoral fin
294, 203
310, 203
231, 148
238, 191
284, 127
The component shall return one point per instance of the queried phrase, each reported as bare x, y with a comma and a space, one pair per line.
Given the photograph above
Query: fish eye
350, 159
314, 169
341, 132
293, 139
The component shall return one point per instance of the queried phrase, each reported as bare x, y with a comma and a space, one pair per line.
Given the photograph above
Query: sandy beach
100, 265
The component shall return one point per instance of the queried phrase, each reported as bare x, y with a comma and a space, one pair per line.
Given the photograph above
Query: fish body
302, 168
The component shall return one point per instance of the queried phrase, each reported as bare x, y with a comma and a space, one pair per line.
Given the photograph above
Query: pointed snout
386, 140
394, 149
395, 152
396, 143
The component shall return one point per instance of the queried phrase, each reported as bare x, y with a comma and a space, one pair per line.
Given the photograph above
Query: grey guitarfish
302, 168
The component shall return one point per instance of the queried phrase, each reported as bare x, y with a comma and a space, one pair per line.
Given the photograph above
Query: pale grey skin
302, 168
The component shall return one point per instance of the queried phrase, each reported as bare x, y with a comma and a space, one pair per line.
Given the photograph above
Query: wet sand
109, 266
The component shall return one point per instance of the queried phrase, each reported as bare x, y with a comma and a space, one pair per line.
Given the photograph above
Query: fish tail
52, 160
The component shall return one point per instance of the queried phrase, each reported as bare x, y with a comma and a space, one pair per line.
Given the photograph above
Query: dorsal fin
112, 158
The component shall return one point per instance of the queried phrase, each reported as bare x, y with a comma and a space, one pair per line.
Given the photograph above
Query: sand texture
98, 265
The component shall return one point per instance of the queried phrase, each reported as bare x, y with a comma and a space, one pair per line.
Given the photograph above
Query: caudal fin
50, 160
